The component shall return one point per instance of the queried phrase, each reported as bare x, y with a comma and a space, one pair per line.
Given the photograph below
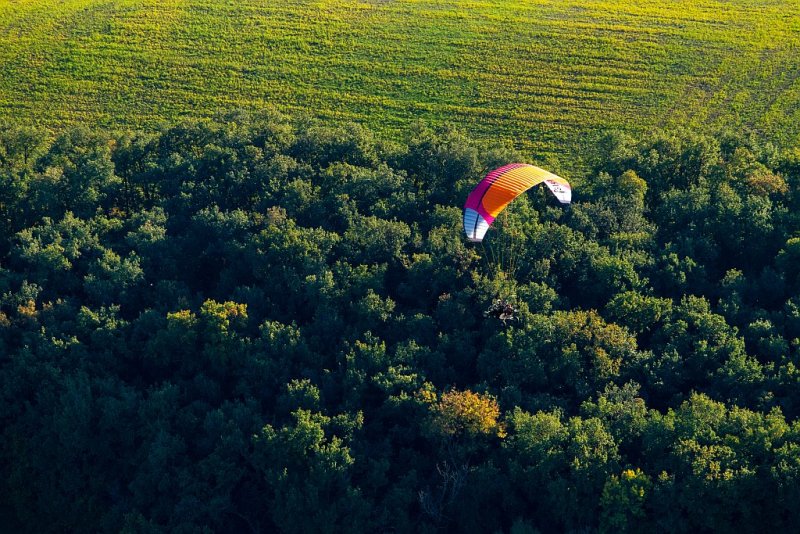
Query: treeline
263, 324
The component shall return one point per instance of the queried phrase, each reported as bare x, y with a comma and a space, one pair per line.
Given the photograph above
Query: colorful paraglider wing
500, 187
475, 225
560, 188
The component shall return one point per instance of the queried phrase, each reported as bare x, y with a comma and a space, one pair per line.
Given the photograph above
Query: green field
545, 74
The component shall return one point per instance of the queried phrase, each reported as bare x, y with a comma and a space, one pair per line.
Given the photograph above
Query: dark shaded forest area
263, 324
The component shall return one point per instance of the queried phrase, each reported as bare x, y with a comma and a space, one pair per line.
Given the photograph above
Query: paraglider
503, 310
499, 188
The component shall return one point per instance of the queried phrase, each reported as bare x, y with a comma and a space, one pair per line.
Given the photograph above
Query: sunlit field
545, 75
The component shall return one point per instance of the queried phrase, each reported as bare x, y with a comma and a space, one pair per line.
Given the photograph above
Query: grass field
545, 74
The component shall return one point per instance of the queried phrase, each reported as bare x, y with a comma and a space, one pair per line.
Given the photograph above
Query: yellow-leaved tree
461, 422
464, 414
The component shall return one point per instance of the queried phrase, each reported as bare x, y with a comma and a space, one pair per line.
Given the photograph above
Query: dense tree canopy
263, 324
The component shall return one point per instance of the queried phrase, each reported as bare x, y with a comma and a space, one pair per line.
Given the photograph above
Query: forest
264, 323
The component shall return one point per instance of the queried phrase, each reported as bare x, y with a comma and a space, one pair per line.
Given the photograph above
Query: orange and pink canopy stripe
500, 187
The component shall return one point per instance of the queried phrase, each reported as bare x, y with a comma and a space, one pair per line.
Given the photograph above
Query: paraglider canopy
499, 188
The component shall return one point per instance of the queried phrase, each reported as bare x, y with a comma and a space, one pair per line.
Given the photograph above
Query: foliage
269, 324
466, 413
